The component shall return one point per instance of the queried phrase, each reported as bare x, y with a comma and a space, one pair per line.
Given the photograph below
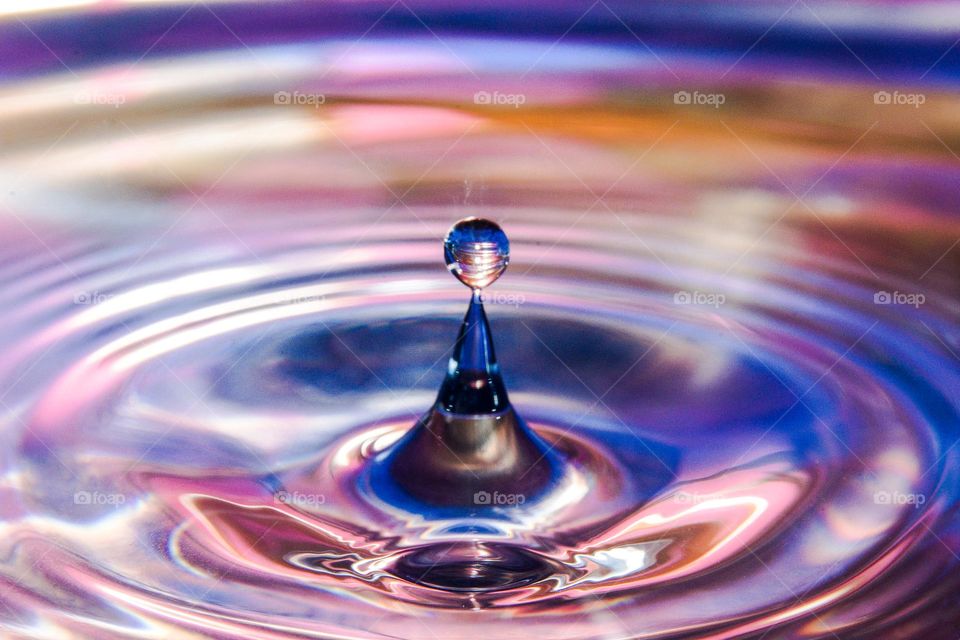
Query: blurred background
734, 233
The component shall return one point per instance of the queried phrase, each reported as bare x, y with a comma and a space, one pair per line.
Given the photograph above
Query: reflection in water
224, 297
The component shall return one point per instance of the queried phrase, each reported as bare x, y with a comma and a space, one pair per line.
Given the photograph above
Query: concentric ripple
739, 328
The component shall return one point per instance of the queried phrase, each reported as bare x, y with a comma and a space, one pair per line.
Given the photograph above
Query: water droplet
472, 442
477, 251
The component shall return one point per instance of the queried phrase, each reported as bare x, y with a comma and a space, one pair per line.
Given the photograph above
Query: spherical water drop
477, 251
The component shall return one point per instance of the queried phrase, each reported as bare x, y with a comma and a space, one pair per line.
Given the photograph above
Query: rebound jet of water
471, 445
